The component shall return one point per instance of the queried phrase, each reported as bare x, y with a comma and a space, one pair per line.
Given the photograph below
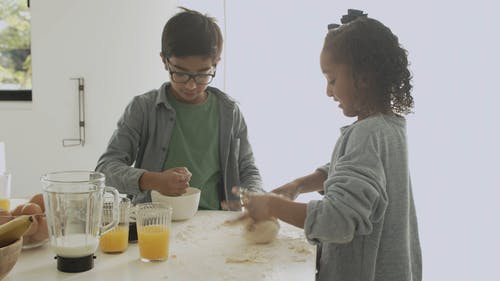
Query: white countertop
202, 248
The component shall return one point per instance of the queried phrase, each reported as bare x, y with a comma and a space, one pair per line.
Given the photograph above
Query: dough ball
262, 232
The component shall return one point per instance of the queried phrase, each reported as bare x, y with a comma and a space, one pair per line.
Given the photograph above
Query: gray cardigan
143, 135
366, 226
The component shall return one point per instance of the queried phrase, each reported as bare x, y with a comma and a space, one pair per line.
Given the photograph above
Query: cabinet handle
81, 116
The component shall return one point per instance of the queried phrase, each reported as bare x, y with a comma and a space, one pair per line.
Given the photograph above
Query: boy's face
180, 68
340, 84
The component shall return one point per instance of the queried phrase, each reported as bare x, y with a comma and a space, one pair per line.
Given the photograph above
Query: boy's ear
216, 60
164, 60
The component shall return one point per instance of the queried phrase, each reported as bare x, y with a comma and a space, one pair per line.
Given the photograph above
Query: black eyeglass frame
191, 75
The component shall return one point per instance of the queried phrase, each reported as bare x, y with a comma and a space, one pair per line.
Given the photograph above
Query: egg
5, 216
31, 209
43, 230
18, 210
38, 199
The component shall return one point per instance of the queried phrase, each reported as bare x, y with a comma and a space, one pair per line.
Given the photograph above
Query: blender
73, 206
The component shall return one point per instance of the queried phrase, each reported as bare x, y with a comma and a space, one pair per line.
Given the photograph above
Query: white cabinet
114, 45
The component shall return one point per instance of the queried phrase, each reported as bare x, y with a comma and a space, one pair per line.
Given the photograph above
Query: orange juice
5, 204
153, 242
115, 241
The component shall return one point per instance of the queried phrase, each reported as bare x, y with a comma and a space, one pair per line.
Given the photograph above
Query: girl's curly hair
374, 51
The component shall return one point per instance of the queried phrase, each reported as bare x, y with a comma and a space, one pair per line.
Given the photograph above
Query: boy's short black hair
190, 33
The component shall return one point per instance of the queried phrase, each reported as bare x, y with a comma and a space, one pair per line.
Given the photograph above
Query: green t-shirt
195, 144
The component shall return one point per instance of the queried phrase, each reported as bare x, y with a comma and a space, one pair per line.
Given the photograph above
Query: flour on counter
249, 255
298, 259
299, 246
244, 259
186, 233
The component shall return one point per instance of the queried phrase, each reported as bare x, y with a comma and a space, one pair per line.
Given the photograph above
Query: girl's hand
258, 205
290, 190
230, 205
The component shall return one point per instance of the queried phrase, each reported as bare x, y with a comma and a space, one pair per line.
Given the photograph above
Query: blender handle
116, 210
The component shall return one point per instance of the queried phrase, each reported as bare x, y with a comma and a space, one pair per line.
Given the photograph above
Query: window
15, 50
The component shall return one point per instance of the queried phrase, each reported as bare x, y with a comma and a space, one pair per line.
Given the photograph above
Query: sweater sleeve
249, 173
355, 195
325, 168
121, 152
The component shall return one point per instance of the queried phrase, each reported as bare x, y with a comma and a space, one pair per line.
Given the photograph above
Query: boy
185, 133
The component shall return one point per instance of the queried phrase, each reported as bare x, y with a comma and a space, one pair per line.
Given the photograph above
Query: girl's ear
365, 81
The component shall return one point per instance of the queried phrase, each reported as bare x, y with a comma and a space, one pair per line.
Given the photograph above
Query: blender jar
73, 205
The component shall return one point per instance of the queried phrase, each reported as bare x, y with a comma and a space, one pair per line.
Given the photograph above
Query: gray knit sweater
365, 226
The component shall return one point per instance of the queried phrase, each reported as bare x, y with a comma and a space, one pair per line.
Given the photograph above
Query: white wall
272, 65
115, 46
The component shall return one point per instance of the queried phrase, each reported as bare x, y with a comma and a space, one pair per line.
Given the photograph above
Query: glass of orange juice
153, 230
5, 190
115, 240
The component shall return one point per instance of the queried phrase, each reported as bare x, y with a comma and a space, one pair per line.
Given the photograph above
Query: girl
365, 227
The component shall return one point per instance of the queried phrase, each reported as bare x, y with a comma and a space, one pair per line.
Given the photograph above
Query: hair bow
352, 14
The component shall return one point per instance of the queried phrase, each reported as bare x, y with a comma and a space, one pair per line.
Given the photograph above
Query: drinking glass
115, 240
5, 190
153, 229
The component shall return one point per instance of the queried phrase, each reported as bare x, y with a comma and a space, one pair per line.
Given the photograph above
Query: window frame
17, 95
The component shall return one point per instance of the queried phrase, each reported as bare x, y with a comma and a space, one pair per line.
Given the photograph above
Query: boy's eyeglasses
184, 77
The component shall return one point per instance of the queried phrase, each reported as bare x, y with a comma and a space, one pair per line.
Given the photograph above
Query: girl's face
340, 84
200, 68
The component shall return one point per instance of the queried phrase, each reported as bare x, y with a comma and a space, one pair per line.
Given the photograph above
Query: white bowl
184, 206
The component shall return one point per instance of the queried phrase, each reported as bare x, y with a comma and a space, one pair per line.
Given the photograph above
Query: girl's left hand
258, 205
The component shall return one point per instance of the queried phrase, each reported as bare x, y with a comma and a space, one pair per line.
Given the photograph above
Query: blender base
73, 265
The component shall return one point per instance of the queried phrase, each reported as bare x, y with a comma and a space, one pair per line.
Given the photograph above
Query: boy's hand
174, 181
